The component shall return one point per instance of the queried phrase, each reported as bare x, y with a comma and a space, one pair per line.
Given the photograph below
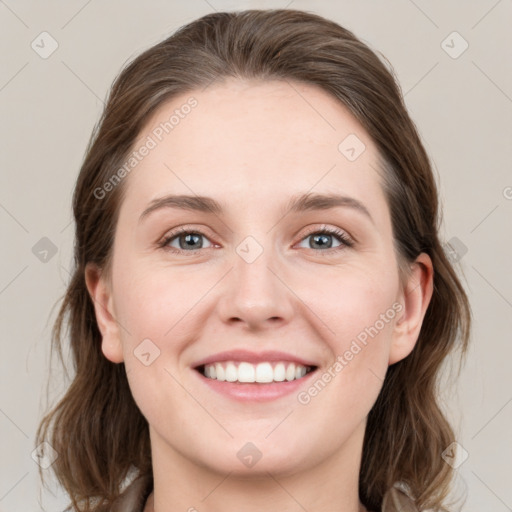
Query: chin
258, 458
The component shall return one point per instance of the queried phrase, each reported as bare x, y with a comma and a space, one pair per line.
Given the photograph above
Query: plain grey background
453, 60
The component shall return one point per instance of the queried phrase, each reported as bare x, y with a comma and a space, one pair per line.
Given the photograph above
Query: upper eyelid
324, 227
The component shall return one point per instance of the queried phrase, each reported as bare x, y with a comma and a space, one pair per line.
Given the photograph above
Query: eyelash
343, 238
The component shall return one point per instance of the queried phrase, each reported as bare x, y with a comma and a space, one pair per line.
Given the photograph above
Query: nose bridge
255, 293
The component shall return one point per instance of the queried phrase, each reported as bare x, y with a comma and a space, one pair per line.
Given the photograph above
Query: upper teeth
247, 372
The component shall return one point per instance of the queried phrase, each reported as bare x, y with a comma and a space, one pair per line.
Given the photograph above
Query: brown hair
96, 427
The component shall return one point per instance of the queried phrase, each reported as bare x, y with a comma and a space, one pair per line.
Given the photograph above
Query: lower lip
255, 391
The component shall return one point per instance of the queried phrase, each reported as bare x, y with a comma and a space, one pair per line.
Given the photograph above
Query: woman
261, 302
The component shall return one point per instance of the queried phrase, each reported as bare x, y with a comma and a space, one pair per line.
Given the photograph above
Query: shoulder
397, 499
133, 498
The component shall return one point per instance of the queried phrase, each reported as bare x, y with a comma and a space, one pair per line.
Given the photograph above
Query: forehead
263, 139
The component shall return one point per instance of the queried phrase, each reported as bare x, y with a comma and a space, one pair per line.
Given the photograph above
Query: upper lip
252, 357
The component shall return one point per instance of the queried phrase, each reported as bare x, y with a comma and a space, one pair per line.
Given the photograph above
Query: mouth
243, 372
247, 376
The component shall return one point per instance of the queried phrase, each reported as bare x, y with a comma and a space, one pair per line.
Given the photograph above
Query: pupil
190, 238
327, 240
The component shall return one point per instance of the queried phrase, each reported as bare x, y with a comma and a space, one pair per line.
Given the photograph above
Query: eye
323, 239
183, 240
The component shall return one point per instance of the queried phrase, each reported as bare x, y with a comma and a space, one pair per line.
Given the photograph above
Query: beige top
134, 497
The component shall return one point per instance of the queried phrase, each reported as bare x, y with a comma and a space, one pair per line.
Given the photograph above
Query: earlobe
101, 296
415, 299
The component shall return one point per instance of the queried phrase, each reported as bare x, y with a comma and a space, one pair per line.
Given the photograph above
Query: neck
330, 483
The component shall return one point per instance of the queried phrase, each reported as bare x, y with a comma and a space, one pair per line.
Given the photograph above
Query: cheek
353, 301
161, 305
157, 309
362, 318
153, 298
360, 310
365, 319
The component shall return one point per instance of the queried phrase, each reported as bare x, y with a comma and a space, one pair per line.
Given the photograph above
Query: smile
264, 372
245, 375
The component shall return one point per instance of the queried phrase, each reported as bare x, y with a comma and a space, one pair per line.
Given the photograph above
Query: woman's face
252, 273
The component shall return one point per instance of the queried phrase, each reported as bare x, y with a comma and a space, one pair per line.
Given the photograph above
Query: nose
256, 293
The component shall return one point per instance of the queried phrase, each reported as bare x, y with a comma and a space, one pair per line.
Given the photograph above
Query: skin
251, 146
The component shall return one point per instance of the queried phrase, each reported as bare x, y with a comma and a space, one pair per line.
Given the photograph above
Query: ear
101, 295
415, 299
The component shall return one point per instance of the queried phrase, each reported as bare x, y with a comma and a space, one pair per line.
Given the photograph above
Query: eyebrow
297, 204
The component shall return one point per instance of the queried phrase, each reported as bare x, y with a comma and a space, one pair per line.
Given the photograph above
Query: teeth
221, 373
279, 372
290, 372
231, 373
264, 373
246, 372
